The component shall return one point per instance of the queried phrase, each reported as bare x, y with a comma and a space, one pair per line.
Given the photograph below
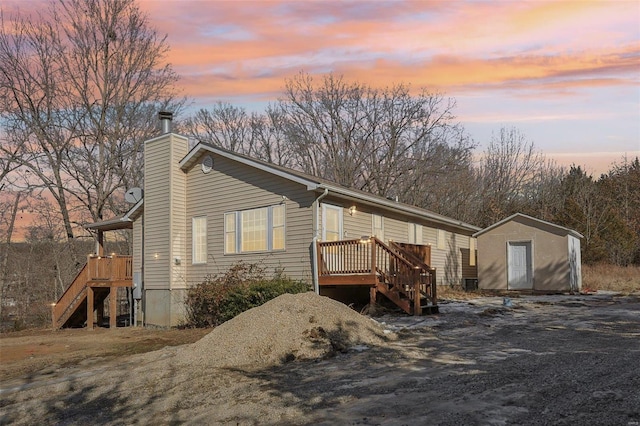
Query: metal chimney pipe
165, 119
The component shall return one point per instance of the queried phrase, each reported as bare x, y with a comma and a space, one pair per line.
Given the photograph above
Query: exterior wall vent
207, 164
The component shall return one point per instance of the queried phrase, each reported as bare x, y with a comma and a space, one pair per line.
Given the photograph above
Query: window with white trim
377, 226
255, 230
441, 239
415, 233
199, 239
332, 222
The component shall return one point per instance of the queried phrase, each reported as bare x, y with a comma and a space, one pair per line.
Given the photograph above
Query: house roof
529, 218
314, 183
121, 222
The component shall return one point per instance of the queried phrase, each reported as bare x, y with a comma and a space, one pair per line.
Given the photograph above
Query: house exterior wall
232, 186
550, 263
137, 245
173, 197
164, 230
451, 261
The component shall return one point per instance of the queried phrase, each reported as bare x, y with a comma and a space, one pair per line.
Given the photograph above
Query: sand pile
289, 327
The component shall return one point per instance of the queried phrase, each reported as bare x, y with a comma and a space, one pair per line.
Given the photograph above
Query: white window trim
441, 240
373, 226
415, 232
238, 230
339, 209
194, 240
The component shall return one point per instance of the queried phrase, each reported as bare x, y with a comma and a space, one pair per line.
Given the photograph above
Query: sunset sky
566, 74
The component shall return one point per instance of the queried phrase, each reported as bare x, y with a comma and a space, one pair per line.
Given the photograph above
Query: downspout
316, 237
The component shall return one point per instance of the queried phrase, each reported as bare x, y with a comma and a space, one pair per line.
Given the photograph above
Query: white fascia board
187, 162
134, 211
414, 211
515, 215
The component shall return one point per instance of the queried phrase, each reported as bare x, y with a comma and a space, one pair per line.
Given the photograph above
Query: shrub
244, 286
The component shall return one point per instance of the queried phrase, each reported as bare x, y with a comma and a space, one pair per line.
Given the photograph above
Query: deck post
100, 243
373, 256
373, 296
113, 293
89, 308
53, 316
318, 259
417, 309
434, 288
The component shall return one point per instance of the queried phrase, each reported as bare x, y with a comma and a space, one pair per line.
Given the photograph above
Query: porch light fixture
365, 239
352, 210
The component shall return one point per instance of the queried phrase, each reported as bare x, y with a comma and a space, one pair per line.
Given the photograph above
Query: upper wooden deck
106, 272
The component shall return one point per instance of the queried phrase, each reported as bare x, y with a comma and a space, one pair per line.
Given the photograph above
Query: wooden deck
100, 278
392, 270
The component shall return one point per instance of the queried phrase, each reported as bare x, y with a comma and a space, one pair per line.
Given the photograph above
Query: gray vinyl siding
451, 263
232, 186
137, 245
178, 215
162, 211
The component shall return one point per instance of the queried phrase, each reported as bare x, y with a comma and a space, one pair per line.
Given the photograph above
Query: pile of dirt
290, 327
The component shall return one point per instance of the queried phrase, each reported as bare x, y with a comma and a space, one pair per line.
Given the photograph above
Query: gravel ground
542, 360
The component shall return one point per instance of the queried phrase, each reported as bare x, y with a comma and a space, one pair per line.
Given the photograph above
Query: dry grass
610, 277
446, 292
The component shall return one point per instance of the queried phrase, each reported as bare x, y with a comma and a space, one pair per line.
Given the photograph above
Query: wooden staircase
391, 270
100, 277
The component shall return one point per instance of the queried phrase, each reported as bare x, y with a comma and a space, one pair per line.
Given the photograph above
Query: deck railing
371, 256
97, 268
110, 268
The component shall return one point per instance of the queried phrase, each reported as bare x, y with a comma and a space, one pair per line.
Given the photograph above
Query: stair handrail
75, 288
432, 294
371, 255
418, 268
409, 256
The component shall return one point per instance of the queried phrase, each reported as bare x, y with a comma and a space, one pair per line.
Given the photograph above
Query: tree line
82, 81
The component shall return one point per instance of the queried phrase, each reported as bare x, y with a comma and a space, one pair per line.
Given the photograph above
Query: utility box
137, 285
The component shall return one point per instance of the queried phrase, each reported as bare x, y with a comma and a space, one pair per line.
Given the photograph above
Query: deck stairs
100, 275
389, 269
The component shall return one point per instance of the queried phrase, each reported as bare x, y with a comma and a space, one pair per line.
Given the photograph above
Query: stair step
430, 309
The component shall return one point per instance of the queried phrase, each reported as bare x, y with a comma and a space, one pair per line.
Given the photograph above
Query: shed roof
516, 216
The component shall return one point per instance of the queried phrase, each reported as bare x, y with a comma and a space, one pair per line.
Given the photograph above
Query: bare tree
8, 213
78, 85
222, 125
386, 141
509, 166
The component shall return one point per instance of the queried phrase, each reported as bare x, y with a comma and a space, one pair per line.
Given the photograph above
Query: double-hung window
199, 239
415, 233
441, 239
254, 230
377, 226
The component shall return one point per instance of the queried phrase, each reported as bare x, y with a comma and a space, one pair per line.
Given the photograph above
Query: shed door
519, 269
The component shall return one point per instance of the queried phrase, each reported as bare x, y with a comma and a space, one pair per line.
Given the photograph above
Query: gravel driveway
542, 360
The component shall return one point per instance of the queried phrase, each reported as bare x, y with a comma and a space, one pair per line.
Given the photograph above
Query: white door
575, 264
519, 271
